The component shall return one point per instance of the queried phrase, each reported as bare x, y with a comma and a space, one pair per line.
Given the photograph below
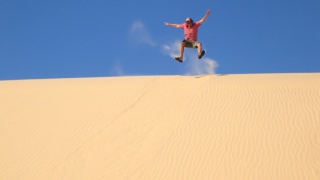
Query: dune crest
254, 126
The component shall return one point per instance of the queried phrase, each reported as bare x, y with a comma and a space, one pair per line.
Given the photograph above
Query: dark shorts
191, 44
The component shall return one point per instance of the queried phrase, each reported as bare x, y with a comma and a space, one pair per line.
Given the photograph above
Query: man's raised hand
208, 12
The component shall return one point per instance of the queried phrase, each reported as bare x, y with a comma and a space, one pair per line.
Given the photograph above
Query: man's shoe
178, 59
201, 54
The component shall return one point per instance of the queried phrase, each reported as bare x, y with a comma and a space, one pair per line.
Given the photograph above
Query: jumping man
191, 36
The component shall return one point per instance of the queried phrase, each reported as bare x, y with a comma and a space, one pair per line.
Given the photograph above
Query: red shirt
191, 33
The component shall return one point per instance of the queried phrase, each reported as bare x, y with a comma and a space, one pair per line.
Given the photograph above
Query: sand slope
264, 126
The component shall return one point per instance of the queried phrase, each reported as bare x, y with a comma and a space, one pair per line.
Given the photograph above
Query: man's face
188, 21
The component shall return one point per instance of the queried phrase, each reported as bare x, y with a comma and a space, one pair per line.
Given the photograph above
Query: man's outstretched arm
172, 25
205, 17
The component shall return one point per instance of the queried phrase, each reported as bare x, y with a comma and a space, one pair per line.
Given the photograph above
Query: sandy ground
263, 126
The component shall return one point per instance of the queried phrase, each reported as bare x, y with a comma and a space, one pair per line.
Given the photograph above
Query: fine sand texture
251, 126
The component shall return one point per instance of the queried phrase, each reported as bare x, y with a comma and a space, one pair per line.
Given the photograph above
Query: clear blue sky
96, 38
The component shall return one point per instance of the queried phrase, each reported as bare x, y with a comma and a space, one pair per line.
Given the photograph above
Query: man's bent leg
183, 44
199, 47
200, 51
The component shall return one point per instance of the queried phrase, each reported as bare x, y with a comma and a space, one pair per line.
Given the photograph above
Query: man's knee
199, 44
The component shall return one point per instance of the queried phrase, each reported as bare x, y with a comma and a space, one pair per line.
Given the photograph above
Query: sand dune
263, 126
